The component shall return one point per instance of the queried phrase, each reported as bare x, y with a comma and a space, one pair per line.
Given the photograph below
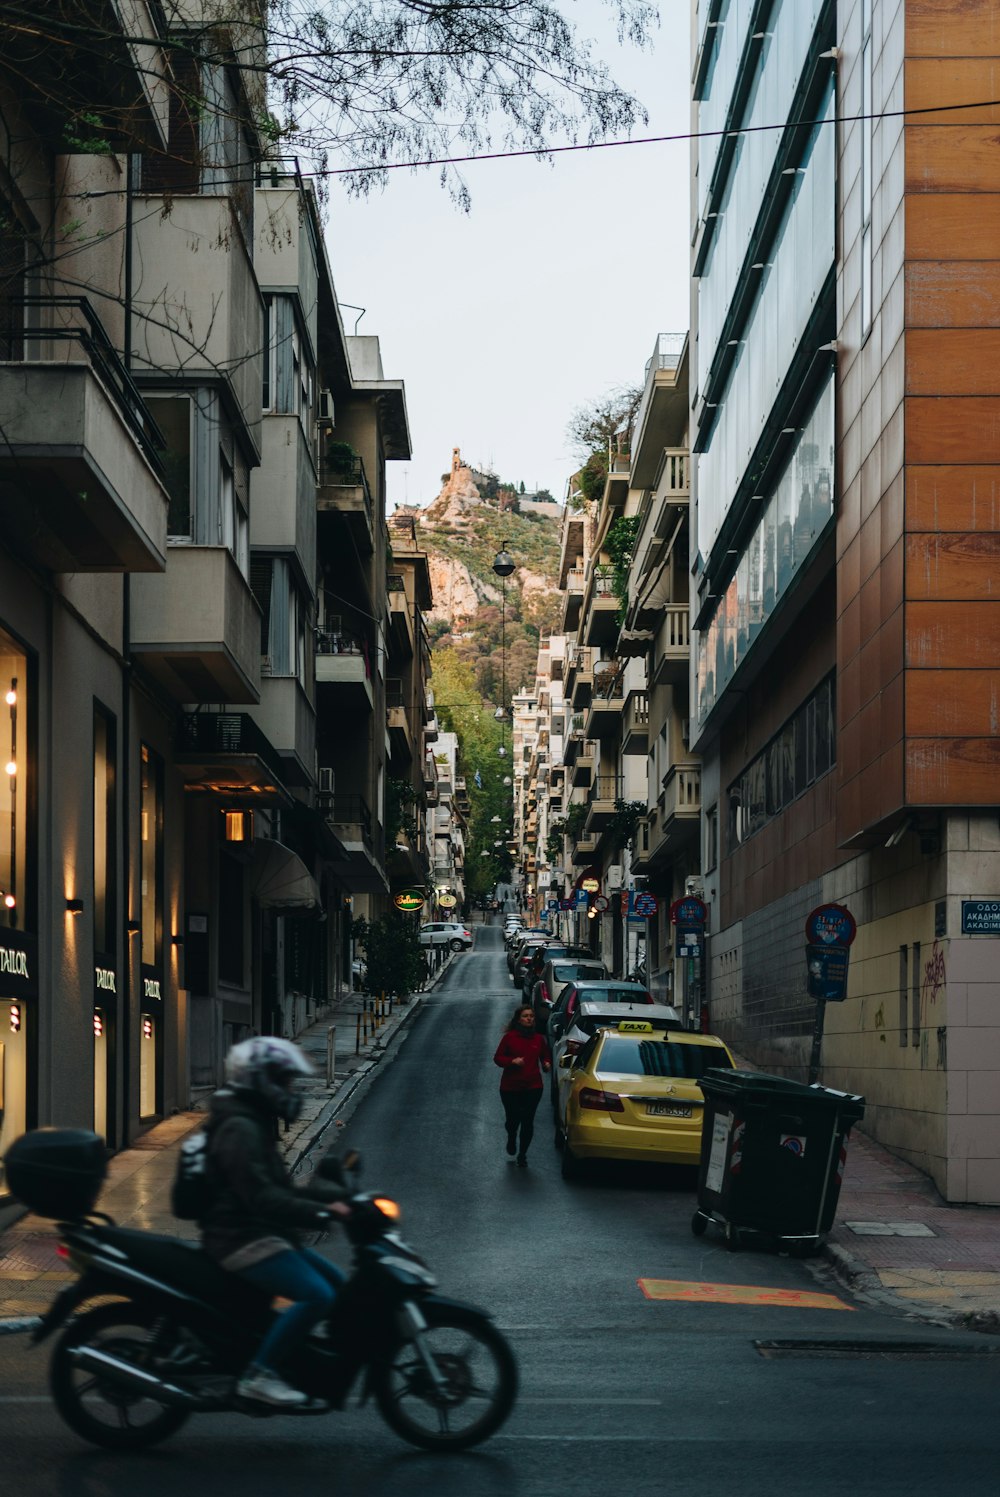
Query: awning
279, 880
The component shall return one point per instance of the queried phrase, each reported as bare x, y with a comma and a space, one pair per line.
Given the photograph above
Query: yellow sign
590, 885
409, 901
634, 1026
739, 1294
447, 901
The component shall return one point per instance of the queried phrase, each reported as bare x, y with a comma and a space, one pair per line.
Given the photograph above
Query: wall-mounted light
237, 826
10, 768
15, 1018
147, 1027
9, 901
11, 698
74, 906
133, 927
98, 1023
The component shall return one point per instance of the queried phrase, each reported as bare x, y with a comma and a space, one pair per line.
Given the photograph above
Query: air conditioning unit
324, 408
614, 878
324, 780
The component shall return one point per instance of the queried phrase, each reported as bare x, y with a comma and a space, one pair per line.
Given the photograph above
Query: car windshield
628, 1056
573, 971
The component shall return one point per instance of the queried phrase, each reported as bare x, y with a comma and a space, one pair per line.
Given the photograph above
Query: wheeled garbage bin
772, 1157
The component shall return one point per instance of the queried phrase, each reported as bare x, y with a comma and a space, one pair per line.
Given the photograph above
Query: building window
15, 786
173, 415
151, 857
105, 832
796, 757
711, 838
904, 995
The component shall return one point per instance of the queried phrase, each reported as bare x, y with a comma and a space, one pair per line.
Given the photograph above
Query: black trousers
520, 1108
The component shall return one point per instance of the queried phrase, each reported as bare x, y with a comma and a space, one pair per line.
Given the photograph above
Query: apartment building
841, 552
192, 587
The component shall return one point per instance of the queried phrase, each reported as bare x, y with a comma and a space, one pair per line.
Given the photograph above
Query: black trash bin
772, 1157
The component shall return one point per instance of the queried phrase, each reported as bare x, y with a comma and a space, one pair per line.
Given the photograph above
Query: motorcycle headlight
388, 1208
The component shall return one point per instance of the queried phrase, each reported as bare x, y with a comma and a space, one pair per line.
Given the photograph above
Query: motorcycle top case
57, 1172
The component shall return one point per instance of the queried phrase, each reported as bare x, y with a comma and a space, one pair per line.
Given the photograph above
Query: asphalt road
620, 1393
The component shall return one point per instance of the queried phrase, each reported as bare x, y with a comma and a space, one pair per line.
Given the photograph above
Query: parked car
522, 950
608, 990
446, 933
517, 941
590, 1015
550, 952
558, 971
632, 1093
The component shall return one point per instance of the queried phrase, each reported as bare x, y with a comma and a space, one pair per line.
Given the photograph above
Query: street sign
601, 903
689, 911
581, 900
590, 885
552, 904
645, 904
409, 901
827, 969
689, 940
565, 904
830, 925
625, 902
981, 917
447, 901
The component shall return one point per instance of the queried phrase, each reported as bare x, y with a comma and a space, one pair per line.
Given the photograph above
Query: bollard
357, 1037
331, 1053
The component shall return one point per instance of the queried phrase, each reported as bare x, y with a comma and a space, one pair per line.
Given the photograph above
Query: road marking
624, 1403
738, 1294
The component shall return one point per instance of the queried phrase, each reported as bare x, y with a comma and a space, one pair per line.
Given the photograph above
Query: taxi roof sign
634, 1026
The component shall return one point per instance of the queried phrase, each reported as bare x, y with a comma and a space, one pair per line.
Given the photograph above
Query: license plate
669, 1109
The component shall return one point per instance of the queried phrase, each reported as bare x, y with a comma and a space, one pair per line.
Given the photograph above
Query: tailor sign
409, 901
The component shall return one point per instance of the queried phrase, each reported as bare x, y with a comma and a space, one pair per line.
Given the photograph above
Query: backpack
194, 1185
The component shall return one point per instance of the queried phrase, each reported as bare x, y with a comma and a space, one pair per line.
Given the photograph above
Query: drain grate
925, 1351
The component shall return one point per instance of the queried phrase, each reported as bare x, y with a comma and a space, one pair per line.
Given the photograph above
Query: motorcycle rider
250, 1225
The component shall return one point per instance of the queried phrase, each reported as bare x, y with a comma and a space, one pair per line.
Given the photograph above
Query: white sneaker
262, 1386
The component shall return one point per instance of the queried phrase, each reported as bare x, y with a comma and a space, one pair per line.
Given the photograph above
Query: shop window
151, 857
105, 832
173, 415
15, 788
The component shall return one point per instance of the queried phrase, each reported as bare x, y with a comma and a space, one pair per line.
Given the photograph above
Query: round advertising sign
409, 901
447, 901
830, 925
590, 885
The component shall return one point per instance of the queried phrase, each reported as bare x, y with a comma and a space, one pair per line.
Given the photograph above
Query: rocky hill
462, 529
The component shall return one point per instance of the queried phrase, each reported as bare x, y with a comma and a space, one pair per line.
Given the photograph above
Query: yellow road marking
739, 1294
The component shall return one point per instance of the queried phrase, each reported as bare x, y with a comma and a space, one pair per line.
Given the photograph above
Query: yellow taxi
632, 1092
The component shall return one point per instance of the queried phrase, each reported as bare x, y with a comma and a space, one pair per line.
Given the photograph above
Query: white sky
548, 293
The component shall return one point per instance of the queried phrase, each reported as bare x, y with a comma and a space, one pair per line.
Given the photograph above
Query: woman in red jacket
522, 1055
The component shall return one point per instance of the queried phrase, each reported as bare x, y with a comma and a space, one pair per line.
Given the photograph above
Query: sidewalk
137, 1192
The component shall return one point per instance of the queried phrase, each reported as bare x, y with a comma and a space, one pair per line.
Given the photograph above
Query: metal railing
345, 471
226, 734
394, 696
666, 352
605, 787
337, 642
103, 357
604, 581
349, 810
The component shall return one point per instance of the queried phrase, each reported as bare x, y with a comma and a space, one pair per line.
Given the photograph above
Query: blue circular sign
830, 925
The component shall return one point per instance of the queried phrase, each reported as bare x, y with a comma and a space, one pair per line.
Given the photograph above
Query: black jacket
253, 1193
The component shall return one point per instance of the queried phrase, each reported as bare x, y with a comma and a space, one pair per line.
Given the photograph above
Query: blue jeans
300, 1275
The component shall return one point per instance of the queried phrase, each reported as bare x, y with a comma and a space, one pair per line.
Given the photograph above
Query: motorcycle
127, 1375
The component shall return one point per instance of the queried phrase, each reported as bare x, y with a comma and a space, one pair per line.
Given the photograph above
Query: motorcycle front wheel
103, 1410
477, 1388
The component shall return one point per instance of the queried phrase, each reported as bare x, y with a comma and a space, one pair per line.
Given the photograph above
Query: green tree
394, 960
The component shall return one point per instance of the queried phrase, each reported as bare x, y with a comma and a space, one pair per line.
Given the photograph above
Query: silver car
556, 974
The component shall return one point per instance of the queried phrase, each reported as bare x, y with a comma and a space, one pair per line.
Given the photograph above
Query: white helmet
268, 1067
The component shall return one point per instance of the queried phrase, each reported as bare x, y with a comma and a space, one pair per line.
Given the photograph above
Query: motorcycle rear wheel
98, 1409
480, 1375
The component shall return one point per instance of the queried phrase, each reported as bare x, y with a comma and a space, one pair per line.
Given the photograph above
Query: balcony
635, 723
226, 754
398, 719
80, 483
604, 719
197, 627
584, 768
671, 653
401, 634
585, 851
582, 679
286, 718
675, 821
605, 790
681, 799
342, 667
600, 607
360, 865
572, 600
343, 489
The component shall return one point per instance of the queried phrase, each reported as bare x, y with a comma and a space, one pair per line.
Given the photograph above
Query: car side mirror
565, 1061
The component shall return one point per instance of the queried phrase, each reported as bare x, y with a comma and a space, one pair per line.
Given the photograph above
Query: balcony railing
604, 581
345, 471
80, 324
336, 642
394, 694
667, 353
226, 734
349, 810
575, 581
606, 787
620, 462
608, 681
